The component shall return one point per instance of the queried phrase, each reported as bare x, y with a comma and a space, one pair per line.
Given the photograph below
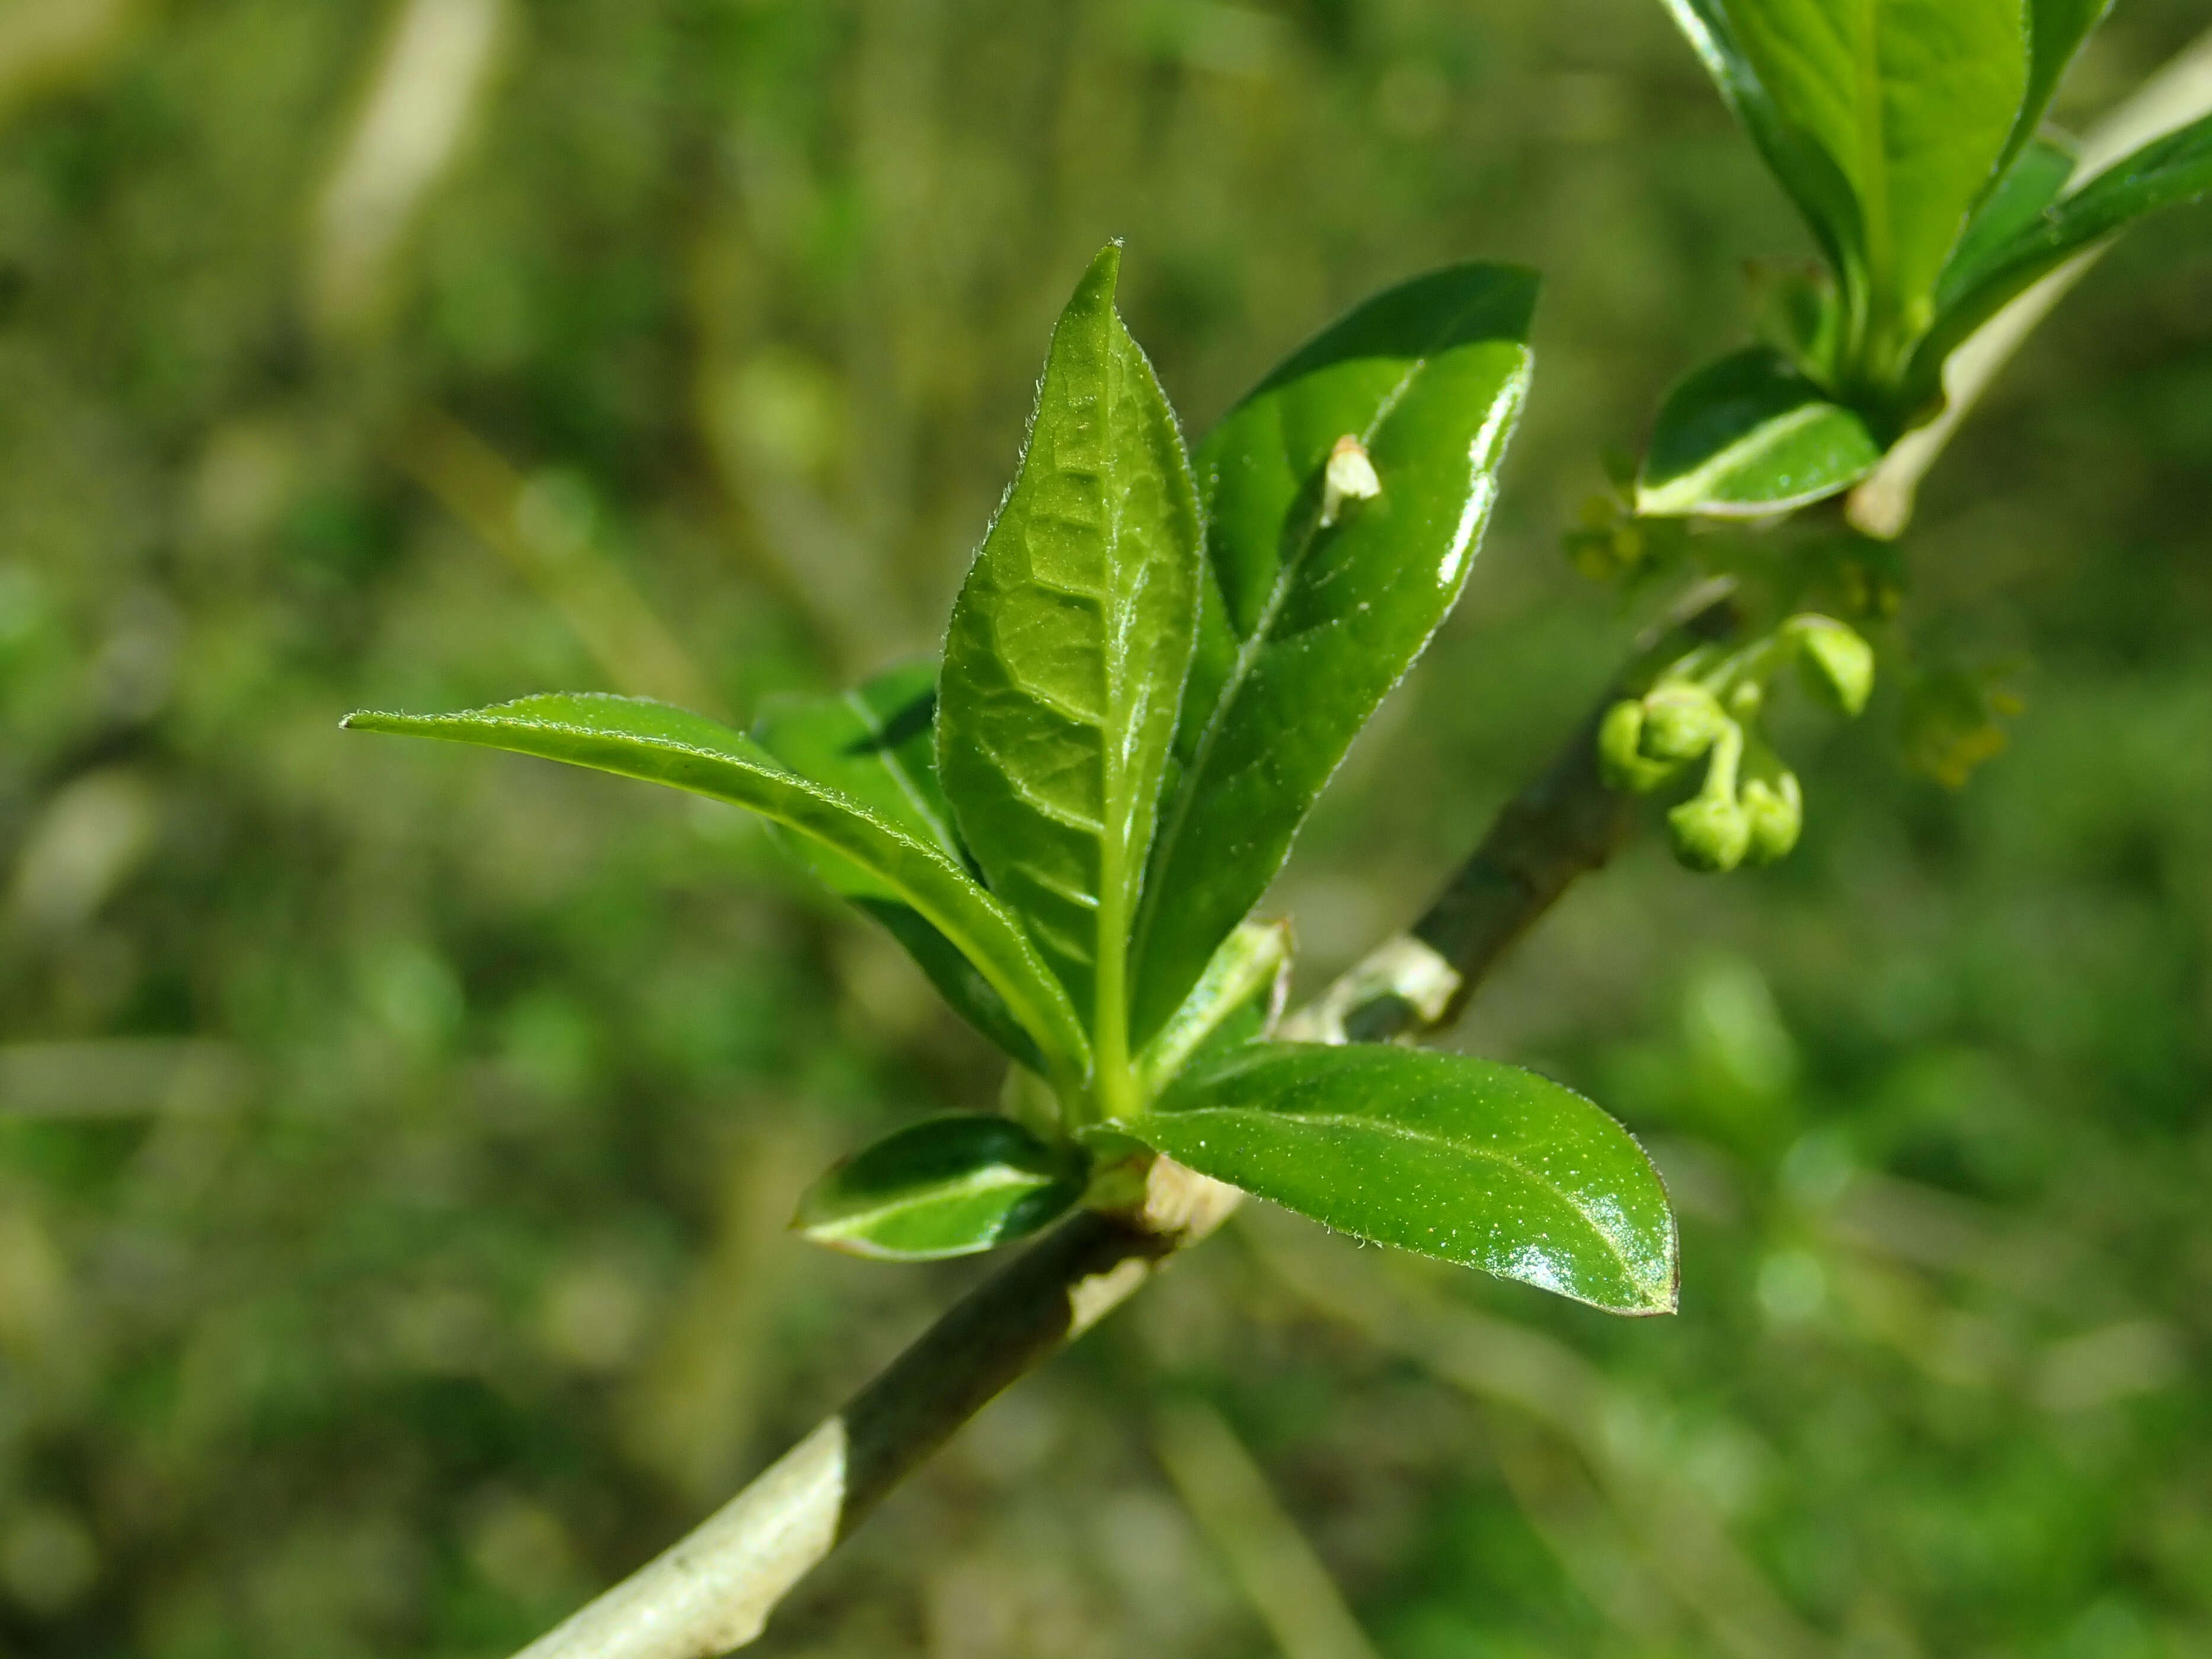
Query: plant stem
712, 1591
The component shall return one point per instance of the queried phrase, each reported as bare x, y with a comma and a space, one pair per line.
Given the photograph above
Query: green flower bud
1837, 663
1680, 722
1776, 809
1710, 834
1711, 830
1620, 762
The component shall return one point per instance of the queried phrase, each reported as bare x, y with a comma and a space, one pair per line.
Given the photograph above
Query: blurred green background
396, 1144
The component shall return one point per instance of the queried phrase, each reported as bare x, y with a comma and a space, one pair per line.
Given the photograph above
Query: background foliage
396, 1146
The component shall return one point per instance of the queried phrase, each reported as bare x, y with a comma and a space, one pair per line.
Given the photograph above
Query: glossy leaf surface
878, 745
1305, 625
633, 737
2165, 173
945, 1187
1067, 650
1444, 1154
1747, 435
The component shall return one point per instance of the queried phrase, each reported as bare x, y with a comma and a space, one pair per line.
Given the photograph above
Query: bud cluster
1706, 705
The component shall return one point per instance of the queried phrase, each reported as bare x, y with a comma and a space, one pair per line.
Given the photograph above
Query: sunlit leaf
946, 1185
1452, 1156
878, 744
1913, 104
1311, 616
1748, 435
633, 737
1067, 655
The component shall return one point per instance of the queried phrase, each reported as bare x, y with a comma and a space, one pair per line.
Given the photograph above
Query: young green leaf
1748, 435
2055, 30
1805, 171
1067, 655
1308, 618
1915, 101
2028, 186
1444, 1154
2165, 173
946, 1185
878, 745
1250, 971
635, 737
1912, 105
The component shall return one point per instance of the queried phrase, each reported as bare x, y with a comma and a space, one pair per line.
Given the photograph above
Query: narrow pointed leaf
2165, 173
1249, 975
945, 1187
1444, 1154
1748, 435
878, 745
1068, 646
632, 736
2057, 29
1309, 618
2031, 184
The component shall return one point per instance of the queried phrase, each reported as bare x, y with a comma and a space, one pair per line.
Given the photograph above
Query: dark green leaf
2029, 185
636, 739
2163, 173
1306, 625
2056, 29
1749, 435
1453, 1156
947, 1186
878, 745
1067, 655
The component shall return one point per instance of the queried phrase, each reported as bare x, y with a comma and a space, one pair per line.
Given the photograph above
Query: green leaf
2029, 185
878, 745
1450, 1156
1249, 973
946, 1185
2165, 173
1912, 102
1823, 195
633, 737
1067, 655
1749, 435
2056, 29
1305, 624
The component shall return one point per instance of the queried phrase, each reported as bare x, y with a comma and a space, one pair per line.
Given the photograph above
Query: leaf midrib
1401, 1132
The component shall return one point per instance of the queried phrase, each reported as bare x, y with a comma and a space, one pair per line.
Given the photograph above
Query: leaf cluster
1911, 136
1158, 658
